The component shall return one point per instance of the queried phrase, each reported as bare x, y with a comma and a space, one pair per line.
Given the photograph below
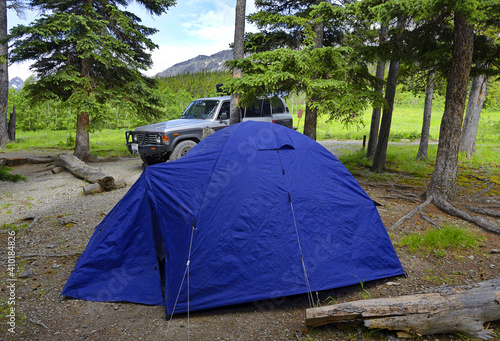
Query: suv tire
153, 159
181, 149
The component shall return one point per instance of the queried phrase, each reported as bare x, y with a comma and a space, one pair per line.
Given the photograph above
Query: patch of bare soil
61, 220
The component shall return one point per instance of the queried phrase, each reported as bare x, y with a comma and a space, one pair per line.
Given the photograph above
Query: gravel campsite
52, 222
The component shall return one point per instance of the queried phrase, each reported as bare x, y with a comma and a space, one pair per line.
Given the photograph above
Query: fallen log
452, 310
41, 159
57, 170
80, 169
19, 161
96, 188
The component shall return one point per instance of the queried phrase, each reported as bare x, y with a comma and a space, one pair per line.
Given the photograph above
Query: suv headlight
162, 139
134, 137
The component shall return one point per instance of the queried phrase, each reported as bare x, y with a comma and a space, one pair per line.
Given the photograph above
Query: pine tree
87, 53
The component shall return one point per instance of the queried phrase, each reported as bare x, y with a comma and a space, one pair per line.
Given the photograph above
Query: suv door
224, 109
280, 113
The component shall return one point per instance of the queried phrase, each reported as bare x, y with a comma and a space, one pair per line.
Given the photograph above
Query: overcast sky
192, 28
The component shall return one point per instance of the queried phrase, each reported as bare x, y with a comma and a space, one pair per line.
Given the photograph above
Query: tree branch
426, 218
411, 213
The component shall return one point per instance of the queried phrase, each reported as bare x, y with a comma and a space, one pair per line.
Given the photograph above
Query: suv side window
266, 108
253, 110
278, 107
224, 109
262, 108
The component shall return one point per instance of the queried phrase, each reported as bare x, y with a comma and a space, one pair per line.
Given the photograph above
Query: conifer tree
88, 52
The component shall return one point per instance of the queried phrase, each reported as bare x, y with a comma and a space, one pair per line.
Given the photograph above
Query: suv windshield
201, 109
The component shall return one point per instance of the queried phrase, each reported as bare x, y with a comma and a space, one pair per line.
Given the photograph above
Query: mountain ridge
200, 63
212, 63
16, 83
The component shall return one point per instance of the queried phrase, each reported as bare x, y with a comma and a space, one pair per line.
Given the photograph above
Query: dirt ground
61, 220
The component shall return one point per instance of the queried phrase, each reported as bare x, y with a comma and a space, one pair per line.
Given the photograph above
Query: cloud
192, 28
206, 28
20, 70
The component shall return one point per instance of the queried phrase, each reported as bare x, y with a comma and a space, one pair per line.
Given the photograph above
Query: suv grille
146, 138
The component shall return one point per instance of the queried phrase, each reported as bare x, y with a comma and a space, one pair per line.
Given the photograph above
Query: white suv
170, 140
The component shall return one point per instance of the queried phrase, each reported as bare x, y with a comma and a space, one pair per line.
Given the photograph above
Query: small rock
393, 283
495, 251
26, 274
471, 257
55, 266
63, 221
50, 246
391, 338
492, 266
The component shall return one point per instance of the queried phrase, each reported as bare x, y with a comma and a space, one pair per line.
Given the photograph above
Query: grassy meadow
406, 124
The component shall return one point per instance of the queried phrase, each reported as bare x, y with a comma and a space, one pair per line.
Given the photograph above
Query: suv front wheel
181, 149
153, 159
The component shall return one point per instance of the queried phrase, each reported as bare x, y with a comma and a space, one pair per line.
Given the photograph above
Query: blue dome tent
253, 212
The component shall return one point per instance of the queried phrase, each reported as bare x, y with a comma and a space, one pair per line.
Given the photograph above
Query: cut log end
108, 182
97, 188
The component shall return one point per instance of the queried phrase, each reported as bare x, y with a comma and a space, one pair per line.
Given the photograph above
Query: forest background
52, 124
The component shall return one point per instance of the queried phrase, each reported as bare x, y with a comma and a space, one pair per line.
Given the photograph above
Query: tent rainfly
255, 211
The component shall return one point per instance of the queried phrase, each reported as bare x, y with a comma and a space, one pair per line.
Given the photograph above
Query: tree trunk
319, 29
380, 156
12, 125
424, 136
82, 141
471, 122
448, 310
444, 176
4, 76
239, 52
310, 121
311, 114
375, 122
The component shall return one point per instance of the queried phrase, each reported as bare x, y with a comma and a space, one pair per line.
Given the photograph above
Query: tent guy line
306, 278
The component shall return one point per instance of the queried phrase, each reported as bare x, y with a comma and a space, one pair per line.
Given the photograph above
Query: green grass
401, 159
105, 142
439, 241
6, 176
13, 227
406, 124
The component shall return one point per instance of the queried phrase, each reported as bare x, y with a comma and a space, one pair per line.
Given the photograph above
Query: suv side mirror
223, 116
